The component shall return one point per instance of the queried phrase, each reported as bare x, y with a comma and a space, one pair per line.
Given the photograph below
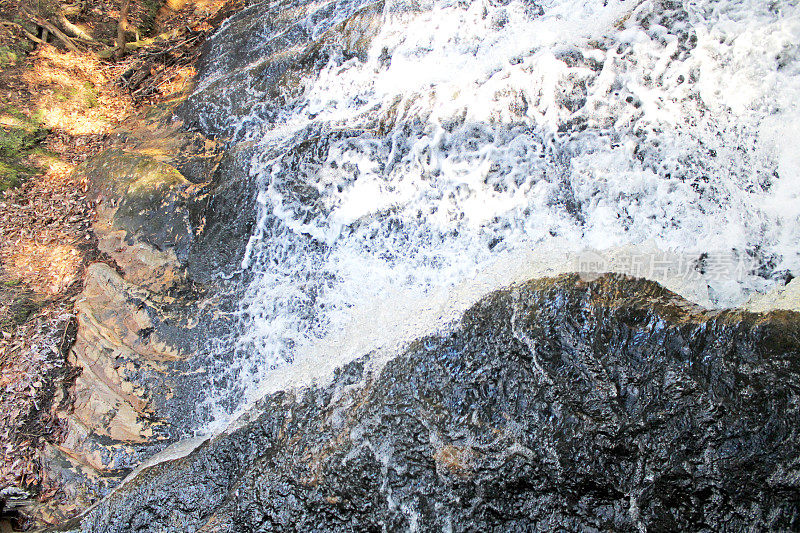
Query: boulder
610, 404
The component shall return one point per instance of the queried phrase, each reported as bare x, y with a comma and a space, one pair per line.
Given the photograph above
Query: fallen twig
25, 32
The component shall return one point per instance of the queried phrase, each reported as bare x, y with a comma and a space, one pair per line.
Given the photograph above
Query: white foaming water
479, 143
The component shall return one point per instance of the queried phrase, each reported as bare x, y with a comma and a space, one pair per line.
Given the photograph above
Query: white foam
509, 143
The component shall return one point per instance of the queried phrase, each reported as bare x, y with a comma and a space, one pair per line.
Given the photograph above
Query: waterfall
415, 155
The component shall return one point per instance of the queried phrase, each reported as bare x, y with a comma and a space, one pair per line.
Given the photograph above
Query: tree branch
52, 29
72, 29
123, 24
166, 36
25, 32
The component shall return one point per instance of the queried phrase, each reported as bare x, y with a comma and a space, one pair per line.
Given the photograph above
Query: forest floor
62, 93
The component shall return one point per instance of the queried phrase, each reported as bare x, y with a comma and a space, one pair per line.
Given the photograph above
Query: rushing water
463, 145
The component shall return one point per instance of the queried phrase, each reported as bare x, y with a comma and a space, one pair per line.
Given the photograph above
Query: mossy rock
11, 53
12, 175
8, 56
153, 202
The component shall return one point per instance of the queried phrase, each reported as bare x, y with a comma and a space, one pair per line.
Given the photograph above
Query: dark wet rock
173, 206
229, 218
152, 190
128, 400
556, 404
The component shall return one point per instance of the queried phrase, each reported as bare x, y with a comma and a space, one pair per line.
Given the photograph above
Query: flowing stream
449, 148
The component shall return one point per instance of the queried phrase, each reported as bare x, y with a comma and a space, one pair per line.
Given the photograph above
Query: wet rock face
603, 405
146, 313
171, 203
255, 62
229, 218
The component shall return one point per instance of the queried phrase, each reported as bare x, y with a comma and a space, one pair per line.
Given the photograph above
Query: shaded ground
57, 109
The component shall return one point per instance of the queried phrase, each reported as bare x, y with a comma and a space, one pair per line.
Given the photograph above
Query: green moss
8, 56
13, 175
19, 139
16, 141
17, 305
29, 123
90, 94
12, 52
